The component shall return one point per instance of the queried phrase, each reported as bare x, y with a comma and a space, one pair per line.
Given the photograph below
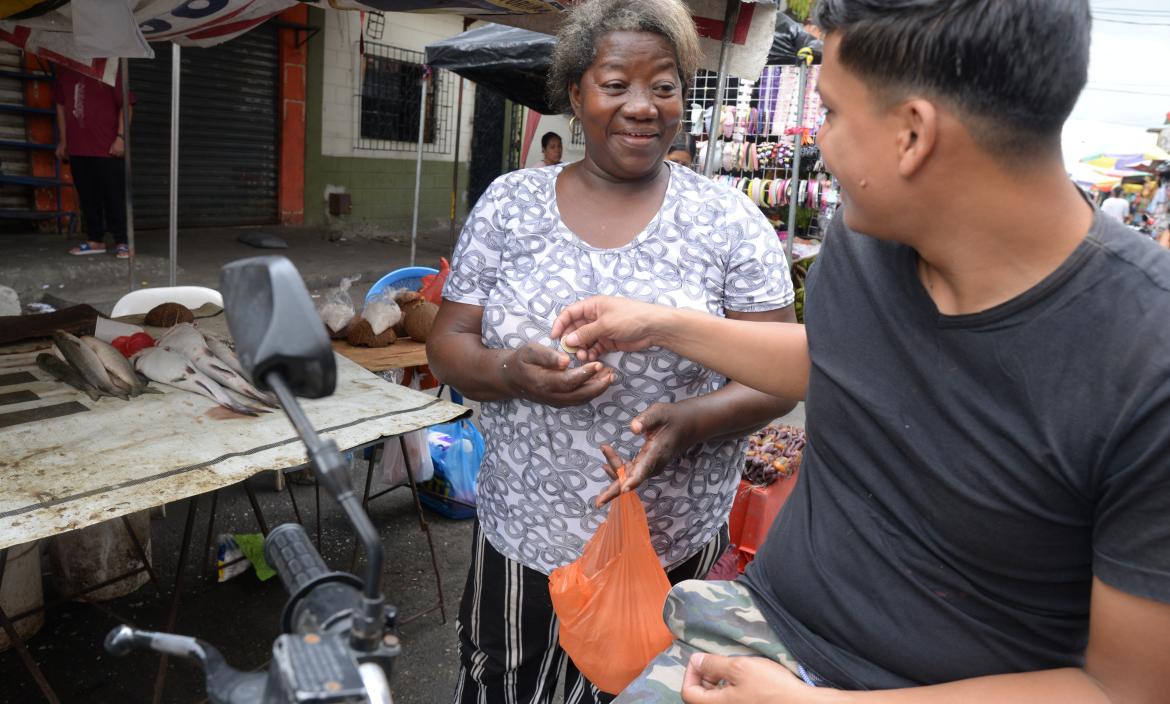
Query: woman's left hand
714, 679
668, 430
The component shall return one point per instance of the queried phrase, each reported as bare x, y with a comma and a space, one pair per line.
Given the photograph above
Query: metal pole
797, 140
730, 19
422, 123
174, 209
455, 164
125, 69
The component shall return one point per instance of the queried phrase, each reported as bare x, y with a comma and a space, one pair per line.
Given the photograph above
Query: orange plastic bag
610, 600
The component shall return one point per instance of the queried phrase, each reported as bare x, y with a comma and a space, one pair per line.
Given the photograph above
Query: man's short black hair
548, 137
1011, 69
1117, 191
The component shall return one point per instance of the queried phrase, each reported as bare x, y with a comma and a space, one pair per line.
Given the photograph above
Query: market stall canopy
1102, 179
83, 34
514, 62
751, 37
511, 61
1146, 160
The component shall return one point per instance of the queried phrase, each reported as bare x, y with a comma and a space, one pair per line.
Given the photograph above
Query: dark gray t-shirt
967, 476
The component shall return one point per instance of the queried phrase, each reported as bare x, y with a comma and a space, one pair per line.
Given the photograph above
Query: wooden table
400, 355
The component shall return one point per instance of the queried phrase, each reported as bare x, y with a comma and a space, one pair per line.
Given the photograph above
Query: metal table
67, 462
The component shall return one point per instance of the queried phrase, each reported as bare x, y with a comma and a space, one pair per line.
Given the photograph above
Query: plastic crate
752, 514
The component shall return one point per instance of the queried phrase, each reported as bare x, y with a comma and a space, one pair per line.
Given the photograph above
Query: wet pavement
242, 616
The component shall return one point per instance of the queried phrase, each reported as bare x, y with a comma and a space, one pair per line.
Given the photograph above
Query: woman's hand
601, 324
536, 373
714, 679
668, 430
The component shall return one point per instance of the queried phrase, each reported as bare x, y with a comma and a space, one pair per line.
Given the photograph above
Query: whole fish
61, 371
225, 354
117, 365
86, 361
189, 342
173, 369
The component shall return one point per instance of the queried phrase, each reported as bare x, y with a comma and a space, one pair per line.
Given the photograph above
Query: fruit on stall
774, 452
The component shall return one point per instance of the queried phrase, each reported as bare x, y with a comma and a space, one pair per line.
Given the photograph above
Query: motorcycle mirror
275, 326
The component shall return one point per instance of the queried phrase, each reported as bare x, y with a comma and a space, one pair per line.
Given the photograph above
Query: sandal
86, 248
122, 251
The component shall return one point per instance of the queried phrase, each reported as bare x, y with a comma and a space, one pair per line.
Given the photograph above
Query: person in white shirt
1116, 207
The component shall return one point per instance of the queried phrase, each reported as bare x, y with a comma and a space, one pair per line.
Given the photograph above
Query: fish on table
173, 369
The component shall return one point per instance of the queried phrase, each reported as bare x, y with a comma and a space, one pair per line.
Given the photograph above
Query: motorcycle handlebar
293, 556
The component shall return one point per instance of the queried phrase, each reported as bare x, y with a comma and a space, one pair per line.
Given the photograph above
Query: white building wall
342, 80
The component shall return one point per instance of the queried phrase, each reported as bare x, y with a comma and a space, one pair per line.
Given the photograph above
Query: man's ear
918, 131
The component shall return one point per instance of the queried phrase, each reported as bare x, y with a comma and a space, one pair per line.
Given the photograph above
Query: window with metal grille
391, 97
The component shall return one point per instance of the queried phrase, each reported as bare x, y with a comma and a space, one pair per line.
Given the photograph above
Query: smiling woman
625, 222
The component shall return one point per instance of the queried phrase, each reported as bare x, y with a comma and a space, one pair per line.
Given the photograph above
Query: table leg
160, 680
18, 643
142, 556
317, 499
426, 529
369, 479
208, 573
256, 508
293, 498
353, 557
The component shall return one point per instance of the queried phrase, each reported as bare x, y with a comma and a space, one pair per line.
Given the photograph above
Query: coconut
166, 315
360, 334
419, 320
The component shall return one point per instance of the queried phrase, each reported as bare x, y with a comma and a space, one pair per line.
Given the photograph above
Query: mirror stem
327, 463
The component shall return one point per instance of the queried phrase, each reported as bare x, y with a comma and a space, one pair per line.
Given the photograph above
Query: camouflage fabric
711, 617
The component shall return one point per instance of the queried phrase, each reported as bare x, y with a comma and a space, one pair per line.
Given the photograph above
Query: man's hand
536, 373
62, 155
118, 148
667, 429
601, 324
714, 679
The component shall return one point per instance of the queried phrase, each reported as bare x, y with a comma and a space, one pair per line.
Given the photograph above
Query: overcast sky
1129, 78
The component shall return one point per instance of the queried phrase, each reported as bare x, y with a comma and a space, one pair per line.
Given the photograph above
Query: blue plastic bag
456, 450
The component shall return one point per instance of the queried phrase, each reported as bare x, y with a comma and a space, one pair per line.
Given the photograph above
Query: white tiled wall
341, 78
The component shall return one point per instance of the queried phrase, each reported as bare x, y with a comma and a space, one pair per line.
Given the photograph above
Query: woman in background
550, 148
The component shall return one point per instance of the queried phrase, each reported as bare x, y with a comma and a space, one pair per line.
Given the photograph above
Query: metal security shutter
13, 162
227, 133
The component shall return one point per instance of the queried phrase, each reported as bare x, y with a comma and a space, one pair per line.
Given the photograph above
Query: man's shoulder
1137, 259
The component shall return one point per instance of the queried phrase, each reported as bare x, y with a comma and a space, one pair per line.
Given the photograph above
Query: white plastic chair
142, 300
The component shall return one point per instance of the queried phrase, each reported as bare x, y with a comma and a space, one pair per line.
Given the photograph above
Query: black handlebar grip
293, 556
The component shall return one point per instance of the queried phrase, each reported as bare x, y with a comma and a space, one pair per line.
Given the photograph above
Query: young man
983, 514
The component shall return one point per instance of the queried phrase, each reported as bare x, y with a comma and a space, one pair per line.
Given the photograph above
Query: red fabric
91, 112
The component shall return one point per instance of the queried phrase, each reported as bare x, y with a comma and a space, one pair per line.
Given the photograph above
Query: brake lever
224, 683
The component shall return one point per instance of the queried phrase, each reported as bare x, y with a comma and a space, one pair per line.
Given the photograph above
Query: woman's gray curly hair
590, 20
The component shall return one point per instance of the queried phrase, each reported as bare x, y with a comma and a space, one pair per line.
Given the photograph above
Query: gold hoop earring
574, 123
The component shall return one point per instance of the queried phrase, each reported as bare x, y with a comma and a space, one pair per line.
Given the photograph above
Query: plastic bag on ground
456, 449
418, 455
609, 601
